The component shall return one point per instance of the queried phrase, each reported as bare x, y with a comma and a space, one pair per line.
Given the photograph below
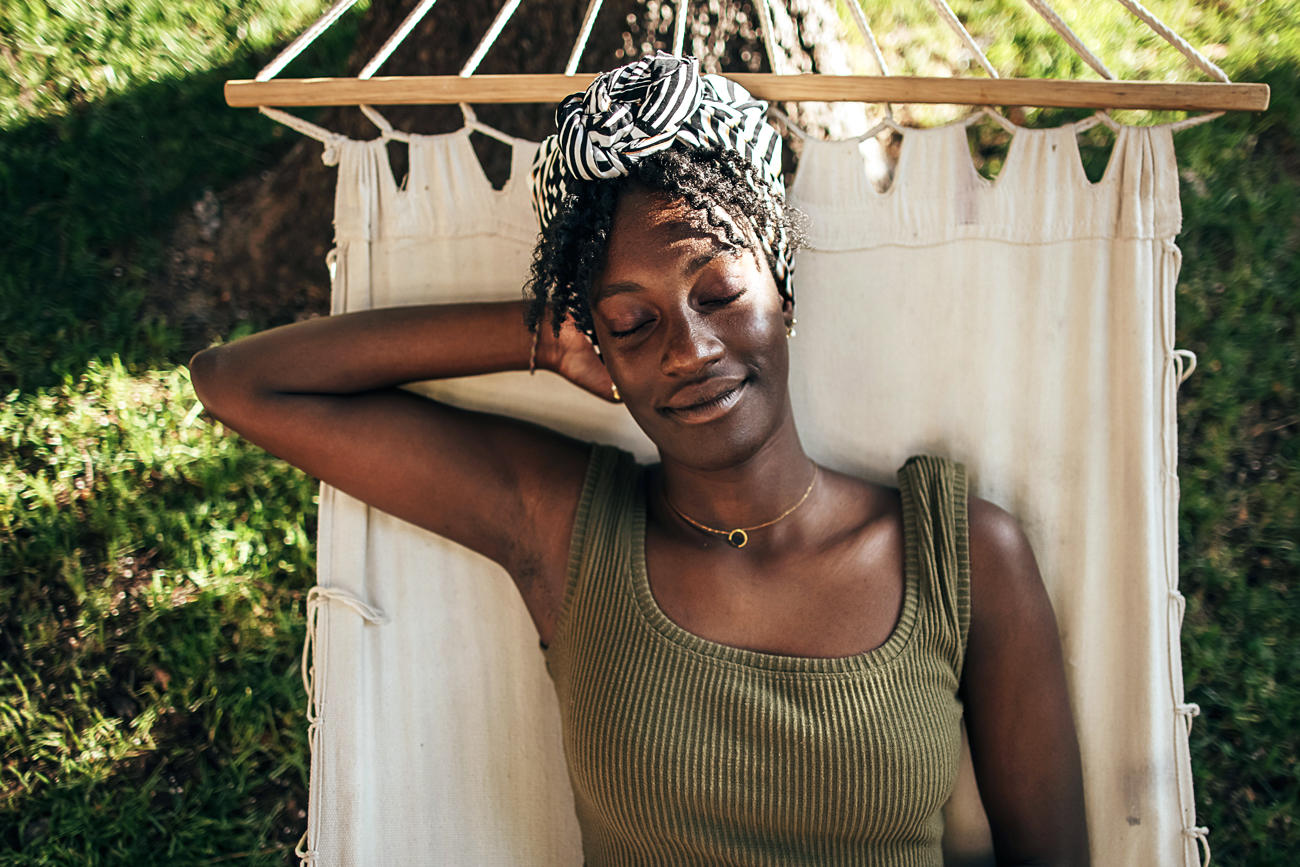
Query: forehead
649, 229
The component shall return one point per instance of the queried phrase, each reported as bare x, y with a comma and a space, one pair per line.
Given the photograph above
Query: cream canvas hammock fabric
1022, 326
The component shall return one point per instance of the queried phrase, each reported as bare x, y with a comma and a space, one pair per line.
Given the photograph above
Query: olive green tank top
682, 751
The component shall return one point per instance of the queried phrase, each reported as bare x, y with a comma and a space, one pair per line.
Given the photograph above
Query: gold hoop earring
618, 398
789, 328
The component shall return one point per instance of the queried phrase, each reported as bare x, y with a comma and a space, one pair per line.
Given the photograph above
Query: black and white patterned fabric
645, 107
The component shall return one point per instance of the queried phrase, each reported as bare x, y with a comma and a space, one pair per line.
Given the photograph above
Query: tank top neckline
875, 658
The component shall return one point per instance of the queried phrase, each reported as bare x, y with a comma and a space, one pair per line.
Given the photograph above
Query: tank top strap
934, 492
602, 527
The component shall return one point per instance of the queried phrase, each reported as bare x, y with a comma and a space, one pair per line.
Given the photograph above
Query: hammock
1023, 326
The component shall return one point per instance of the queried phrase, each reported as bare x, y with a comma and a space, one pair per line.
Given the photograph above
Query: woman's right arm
322, 394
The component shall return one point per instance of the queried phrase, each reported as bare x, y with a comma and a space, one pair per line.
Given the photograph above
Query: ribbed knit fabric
683, 751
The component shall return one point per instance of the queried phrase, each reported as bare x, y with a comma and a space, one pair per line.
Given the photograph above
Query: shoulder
1007, 591
998, 544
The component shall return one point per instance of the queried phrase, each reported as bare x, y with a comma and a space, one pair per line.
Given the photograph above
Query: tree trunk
257, 253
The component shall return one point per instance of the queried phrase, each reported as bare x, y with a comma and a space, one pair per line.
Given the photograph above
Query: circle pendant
737, 538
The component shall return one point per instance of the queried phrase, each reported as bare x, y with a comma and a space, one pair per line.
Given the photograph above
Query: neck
744, 494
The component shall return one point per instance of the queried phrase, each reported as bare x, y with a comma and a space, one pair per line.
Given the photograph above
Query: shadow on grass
87, 199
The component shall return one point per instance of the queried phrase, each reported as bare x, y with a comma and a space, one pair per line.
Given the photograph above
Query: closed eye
630, 331
724, 301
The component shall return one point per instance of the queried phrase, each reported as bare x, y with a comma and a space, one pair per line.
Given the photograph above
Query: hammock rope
950, 18
1176, 372
679, 26
313, 678
331, 140
489, 38
860, 19
1071, 39
1197, 58
386, 130
400, 34
588, 20
307, 37
768, 34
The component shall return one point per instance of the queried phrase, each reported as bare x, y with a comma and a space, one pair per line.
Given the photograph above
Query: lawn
153, 568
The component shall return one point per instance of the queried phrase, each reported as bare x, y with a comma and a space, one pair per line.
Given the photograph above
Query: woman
758, 660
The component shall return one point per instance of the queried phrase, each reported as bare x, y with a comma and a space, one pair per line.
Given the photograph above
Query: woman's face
693, 332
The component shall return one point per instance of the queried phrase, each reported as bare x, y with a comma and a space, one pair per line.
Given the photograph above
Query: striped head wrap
645, 107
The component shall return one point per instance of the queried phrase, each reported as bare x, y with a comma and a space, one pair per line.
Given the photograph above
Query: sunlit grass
154, 567
64, 54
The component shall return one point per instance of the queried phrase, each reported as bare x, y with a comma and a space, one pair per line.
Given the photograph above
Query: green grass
152, 568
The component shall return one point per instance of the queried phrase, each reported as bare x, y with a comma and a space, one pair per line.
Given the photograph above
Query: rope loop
386, 129
993, 115
331, 140
1202, 835
319, 594
1189, 122
307, 857
1184, 364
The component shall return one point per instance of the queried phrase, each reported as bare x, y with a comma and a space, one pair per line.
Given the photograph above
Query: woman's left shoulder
1004, 577
997, 541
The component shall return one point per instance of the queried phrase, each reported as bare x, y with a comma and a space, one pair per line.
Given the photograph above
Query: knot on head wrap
645, 107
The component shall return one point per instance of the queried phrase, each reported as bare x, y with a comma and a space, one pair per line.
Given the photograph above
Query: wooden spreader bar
444, 89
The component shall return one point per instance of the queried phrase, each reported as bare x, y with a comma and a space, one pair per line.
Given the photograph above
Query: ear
787, 311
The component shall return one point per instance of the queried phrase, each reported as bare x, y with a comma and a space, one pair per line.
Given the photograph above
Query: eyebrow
693, 267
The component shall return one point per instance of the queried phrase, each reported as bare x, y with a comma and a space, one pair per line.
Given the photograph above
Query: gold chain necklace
738, 537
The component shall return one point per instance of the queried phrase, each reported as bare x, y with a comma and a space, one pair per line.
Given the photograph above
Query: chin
730, 441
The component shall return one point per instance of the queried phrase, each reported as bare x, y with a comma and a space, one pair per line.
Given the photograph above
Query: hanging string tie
316, 598
1103, 116
993, 115
331, 140
1185, 364
794, 128
1202, 835
386, 130
318, 594
1189, 122
306, 857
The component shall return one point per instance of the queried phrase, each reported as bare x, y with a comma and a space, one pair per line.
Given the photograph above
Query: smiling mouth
707, 410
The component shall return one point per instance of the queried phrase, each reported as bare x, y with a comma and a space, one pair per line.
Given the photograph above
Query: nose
690, 345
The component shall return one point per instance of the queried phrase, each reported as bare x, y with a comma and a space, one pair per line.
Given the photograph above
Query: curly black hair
571, 250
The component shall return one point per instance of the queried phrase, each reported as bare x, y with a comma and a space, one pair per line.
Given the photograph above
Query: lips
706, 401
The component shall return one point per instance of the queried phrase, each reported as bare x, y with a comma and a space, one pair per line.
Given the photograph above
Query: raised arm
323, 395
1022, 737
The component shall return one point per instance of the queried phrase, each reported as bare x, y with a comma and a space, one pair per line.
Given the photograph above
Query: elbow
211, 378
